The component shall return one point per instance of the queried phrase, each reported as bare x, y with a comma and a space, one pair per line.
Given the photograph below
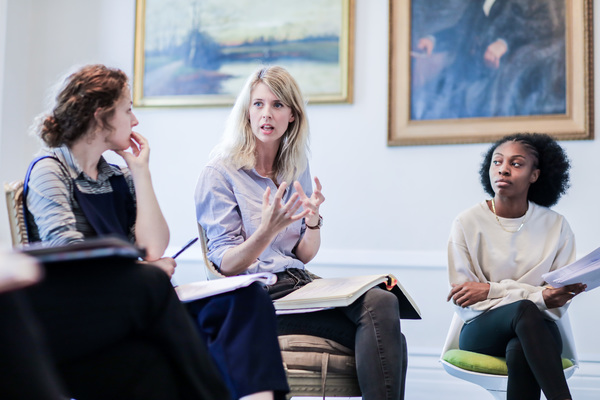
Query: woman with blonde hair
256, 221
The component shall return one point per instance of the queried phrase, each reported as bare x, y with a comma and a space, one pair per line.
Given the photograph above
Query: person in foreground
256, 202
26, 371
72, 193
497, 253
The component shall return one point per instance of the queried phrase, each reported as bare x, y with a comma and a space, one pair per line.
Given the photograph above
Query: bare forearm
237, 259
151, 229
309, 246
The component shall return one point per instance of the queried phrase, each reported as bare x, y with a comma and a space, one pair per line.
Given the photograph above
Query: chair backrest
211, 270
299, 363
16, 216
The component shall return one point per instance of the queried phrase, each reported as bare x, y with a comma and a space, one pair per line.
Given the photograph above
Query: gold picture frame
199, 53
410, 97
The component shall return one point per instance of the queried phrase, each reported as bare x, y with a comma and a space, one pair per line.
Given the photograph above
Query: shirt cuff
496, 291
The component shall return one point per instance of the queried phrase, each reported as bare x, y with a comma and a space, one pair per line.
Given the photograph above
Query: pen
185, 247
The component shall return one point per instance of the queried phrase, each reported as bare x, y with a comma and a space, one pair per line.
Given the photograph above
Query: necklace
502, 226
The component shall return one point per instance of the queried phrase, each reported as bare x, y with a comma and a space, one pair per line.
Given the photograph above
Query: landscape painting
200, 52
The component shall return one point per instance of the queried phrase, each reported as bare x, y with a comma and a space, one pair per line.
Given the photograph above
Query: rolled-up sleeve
218, 213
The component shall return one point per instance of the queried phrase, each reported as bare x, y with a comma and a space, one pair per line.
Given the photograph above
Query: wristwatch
318, 225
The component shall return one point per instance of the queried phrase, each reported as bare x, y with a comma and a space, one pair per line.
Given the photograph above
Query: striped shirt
54, 215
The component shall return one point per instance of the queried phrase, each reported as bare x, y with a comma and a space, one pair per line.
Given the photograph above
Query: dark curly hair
91, 88
553, 164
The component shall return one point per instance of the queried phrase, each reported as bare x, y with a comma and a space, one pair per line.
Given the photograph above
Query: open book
99, 247
201, 289
585, 270
340, 292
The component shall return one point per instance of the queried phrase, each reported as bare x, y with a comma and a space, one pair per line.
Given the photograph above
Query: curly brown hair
91, 88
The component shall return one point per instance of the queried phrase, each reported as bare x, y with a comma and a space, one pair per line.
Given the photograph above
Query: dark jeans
531, 344
370, 326
240, 330
116, 330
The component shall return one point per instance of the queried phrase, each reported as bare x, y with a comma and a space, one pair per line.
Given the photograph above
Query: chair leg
498, 395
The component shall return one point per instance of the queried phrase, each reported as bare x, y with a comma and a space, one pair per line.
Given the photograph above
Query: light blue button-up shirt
229, 208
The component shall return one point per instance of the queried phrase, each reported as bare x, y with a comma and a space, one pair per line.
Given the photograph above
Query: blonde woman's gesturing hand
275, 215
311, 203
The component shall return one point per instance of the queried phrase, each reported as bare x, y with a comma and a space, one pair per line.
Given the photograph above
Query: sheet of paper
202, 289
585, 270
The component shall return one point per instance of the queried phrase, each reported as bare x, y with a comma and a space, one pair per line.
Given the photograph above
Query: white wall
387, 208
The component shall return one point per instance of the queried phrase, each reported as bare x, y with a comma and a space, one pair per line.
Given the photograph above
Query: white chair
314, 366
496, 384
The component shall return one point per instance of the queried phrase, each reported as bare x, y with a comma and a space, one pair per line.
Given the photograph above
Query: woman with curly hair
89, 308
497, 253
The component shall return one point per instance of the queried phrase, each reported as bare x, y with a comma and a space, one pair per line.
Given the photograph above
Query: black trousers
531, 344
25, 368
116, 330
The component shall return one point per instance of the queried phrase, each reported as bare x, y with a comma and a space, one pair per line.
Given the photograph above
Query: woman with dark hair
497, 253
72, 193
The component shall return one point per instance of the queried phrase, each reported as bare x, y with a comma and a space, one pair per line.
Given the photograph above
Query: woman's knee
527, 306
527, 311
379, 299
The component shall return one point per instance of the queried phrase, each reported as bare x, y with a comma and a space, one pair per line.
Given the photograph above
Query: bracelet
318, 225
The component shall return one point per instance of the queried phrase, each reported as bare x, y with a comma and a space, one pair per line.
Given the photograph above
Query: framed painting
474, 71
200, 52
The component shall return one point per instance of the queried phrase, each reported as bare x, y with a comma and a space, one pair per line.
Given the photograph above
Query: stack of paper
585, 270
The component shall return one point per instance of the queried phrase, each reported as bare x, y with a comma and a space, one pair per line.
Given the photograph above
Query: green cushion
483, 363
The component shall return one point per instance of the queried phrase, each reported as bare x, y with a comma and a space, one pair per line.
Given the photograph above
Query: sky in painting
234, 21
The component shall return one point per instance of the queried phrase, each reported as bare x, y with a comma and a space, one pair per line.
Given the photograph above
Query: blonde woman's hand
138, 159
311, 203
276, 216
468, 293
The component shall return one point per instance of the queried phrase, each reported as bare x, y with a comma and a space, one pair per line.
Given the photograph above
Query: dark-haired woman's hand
138, 158
558, 297
468, 293
167, 264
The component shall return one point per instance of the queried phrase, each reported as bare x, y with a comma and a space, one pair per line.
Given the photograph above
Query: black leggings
531, 344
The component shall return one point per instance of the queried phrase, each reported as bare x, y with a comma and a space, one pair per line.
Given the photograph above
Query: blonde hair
239, 144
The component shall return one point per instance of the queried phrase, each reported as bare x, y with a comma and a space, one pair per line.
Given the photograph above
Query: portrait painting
475, 70
200, 52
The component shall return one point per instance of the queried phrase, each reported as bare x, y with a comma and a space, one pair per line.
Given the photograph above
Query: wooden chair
16, 217
314, 366
495, 384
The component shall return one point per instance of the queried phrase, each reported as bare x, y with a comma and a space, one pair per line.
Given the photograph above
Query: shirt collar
65, 156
